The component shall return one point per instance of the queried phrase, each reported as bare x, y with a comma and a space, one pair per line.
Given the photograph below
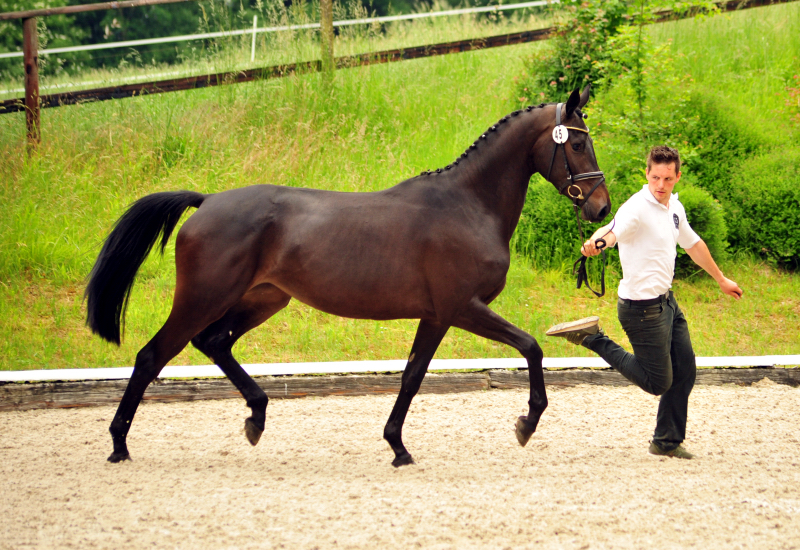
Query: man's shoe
576, 331
677, 452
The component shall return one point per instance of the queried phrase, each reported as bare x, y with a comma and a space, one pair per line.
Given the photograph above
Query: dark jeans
662, 362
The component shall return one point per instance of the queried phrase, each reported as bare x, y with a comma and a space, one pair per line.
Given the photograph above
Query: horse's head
565, 157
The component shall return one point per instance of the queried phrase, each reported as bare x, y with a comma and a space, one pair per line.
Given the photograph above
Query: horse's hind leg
166, 344
429, 336
481, 320
193, 309
216, 341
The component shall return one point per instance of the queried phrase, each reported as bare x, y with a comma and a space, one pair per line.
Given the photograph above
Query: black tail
129, 243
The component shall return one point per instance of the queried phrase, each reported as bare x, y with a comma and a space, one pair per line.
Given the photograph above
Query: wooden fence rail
49, 395
277, 71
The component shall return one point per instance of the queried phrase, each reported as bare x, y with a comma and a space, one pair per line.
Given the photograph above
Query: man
647, 228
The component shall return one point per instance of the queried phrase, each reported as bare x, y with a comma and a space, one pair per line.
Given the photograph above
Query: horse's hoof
119, 457
403, 460
252, 431
523, 430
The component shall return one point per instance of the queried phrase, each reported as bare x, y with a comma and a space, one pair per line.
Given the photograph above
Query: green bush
707, 217
721, 142
757, 182
741, 182
572, 58
764, 206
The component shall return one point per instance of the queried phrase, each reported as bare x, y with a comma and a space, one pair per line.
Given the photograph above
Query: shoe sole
573, 326
683, 454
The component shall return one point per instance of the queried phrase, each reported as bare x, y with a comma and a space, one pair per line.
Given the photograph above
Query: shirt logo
676, 220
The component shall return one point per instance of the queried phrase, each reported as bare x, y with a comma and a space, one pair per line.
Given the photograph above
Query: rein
560, 137
579, 267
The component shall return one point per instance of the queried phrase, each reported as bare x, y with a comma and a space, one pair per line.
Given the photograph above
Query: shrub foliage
740, 186
707, 217
576, 55
764, 203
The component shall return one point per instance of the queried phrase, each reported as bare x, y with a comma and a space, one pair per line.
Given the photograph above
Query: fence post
253, 44
326, 34
30, 49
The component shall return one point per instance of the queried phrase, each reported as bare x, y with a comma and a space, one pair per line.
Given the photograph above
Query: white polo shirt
647, 232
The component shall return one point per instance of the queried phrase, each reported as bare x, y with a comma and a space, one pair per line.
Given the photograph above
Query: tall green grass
366, 129
742, 61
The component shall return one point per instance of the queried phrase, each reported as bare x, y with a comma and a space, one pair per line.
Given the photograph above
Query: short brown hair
661, 154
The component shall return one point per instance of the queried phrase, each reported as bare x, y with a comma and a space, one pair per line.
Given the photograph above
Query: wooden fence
33, 102
277, 71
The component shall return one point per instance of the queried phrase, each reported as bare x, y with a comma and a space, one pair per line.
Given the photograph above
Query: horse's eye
578, 147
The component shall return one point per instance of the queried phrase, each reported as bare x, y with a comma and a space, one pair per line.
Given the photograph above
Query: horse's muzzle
595, 213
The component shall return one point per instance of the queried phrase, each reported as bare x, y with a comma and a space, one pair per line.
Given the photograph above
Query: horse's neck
499, 169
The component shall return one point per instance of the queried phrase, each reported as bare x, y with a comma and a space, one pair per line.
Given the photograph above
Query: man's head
663, 172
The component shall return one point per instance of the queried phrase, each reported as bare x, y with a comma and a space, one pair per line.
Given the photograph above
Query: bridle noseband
575, 193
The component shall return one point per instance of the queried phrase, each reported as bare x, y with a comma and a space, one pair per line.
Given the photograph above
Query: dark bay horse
434, 247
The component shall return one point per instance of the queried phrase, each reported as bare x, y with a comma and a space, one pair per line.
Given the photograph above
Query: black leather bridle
570, 189
575, 193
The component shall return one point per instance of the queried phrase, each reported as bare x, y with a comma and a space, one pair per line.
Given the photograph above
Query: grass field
365, 130
744, 60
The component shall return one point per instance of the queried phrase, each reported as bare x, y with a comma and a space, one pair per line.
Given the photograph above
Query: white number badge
560, 134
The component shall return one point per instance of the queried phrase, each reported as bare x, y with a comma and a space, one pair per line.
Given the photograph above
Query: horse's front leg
479, 319
429, 336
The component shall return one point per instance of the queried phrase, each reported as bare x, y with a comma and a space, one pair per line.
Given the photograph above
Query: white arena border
356, 367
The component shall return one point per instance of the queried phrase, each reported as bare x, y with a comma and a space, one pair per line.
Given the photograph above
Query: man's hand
589, 249
702, 257
730, 288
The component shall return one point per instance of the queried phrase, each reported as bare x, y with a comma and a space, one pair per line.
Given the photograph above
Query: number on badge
560, 134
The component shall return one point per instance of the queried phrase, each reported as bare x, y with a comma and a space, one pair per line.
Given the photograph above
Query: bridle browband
561, 136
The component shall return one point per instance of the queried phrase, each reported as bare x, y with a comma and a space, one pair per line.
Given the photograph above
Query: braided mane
474, 145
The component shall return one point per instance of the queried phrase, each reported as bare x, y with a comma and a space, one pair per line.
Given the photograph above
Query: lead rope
579, 267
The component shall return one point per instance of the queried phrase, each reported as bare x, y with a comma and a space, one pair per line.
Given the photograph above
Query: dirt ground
321, 475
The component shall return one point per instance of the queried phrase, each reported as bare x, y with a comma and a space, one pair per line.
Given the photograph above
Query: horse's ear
585, 96
573, 103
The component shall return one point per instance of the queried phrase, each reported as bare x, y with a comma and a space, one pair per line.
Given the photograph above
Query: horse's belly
360, 300
372, 311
